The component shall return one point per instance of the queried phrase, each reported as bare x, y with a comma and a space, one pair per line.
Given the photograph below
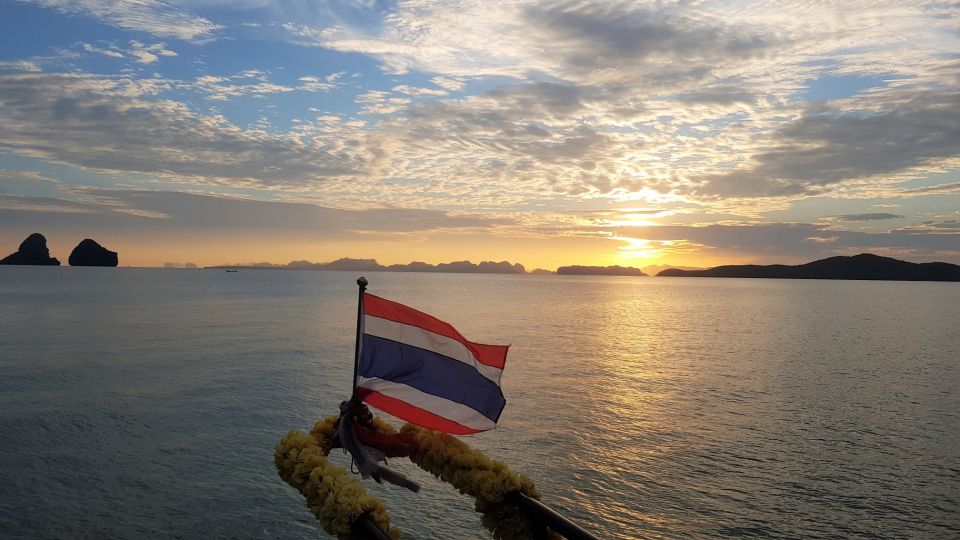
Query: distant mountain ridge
865, 266
371, 265
456, 267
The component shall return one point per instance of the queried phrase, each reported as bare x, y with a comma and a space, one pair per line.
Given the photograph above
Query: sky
687, 133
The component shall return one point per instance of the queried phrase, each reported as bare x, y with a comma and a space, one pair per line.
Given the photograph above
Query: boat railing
540, 516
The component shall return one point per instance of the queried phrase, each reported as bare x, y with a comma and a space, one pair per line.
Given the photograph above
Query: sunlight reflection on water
148, 402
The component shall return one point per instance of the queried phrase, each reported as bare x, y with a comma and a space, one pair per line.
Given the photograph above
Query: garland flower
338, 499
335, 498
472, 473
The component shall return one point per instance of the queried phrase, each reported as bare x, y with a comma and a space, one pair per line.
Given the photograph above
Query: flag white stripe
451, 410
427, 340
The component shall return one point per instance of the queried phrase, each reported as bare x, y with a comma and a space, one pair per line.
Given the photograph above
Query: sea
147, 403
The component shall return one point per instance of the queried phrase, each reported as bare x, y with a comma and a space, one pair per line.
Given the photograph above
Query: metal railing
540, 516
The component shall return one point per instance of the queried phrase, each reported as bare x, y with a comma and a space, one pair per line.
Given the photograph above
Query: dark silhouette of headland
865, 266
33, 251
90, 253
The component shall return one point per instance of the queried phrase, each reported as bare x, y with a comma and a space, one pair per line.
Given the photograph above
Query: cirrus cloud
155, 17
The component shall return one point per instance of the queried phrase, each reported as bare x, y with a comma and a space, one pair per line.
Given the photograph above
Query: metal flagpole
362, 284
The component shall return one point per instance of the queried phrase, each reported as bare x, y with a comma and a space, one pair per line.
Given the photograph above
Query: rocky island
864, 266
33, 251
615, 270
90, 253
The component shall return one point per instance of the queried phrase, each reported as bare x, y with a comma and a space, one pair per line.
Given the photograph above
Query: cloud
315, 84
380, 102
620, 101
148, 54
950, 187
105, 124
573, 41
799, 242
249, 83
14, 204
155, 17
488, 150
111, 52
868, 217
719, 95
616, 41
160, 210
417, 91
142, 53
884, 135
948, 226
452, 85
691, 101
94, 209
515, 143
19, 66
7, 175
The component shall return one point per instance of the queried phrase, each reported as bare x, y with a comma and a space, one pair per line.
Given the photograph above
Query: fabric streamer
365, 457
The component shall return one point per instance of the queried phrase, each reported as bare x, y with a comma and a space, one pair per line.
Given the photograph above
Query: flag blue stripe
431, 373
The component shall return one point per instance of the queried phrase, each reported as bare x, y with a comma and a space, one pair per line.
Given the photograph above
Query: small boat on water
229, 270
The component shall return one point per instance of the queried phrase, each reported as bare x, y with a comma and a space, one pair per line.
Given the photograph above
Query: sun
637, 248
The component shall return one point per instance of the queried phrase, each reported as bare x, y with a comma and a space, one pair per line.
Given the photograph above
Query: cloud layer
523, 115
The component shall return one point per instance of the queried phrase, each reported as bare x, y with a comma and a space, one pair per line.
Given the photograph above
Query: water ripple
149, 404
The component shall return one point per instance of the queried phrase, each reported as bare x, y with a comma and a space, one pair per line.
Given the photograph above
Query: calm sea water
140, 402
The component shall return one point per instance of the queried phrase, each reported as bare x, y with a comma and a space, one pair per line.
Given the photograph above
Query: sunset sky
690, 133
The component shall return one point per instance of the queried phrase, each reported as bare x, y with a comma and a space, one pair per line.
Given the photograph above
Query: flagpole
362, 284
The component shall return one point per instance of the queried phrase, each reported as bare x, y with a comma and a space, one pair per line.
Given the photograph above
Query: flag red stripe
412, 414
491, 355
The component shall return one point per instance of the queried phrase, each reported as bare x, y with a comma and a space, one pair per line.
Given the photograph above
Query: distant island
89, 253
865, 266
371, 265
456, 267
34, 252
578, 270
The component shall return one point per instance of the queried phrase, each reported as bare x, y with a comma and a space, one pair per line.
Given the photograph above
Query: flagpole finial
362, 282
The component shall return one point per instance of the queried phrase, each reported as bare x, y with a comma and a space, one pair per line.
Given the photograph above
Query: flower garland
473, 473
335, 498
338, 499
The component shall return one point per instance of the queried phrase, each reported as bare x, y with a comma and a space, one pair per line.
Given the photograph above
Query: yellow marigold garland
472, 473
335, 498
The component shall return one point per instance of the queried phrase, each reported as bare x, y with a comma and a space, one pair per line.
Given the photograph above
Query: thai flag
419, 368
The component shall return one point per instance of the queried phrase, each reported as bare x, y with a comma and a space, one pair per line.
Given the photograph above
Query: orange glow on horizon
137, 249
